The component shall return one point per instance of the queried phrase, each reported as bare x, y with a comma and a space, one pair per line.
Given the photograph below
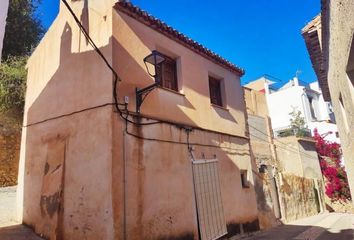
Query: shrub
337, 188
13, 84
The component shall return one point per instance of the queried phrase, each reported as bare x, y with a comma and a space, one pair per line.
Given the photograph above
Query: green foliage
13, 84
23, 28
297, 123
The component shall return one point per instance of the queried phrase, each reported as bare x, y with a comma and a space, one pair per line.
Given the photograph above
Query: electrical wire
177, 142
69, 114
115, 74
284, 144
115, 93
209, 145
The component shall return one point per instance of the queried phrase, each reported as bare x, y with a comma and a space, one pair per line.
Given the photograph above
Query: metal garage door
208, 197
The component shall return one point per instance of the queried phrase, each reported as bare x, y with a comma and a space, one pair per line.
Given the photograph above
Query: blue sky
261, 36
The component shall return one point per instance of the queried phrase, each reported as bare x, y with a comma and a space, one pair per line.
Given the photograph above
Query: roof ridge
160, 26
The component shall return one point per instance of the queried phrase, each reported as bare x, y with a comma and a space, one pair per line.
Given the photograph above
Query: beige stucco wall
262, 150
288, 156
338, 40
256, 102
298, 157
310, 161
257, 85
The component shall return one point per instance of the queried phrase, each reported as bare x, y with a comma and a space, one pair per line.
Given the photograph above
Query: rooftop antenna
298, 72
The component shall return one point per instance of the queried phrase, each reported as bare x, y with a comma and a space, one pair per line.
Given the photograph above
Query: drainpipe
124, 188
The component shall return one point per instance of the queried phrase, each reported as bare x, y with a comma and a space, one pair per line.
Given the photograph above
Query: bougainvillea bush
337, 188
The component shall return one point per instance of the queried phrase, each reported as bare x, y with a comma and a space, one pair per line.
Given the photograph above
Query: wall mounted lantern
262, 168
154, 59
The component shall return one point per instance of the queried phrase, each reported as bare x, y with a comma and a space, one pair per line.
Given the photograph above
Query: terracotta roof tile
312, 39
172, 33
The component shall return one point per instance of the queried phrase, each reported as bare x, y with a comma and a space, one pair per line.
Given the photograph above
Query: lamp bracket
142, 93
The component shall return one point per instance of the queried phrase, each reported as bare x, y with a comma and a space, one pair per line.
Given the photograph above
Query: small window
337, 134
244, 180
215, 91
167, 70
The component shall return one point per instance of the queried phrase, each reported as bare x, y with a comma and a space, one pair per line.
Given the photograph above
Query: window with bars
215, 91
167, 71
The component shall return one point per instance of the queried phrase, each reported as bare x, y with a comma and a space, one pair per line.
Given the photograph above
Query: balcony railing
289, 131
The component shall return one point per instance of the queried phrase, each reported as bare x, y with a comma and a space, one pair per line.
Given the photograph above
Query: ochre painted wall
133, 41
65, 164
159, 198
82, 177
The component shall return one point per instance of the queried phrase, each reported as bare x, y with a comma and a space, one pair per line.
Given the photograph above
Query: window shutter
168, 74
215, 91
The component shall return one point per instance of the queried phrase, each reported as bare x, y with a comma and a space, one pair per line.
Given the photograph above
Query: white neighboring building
306, 98
4, 5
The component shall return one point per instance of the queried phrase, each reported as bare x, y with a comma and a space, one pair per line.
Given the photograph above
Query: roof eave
159, 26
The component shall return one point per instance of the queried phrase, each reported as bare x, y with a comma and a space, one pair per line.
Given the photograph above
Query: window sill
170, 90
220, 107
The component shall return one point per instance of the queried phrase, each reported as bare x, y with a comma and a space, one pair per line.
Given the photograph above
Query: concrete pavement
10, 229
328, 226
7, 206
17, 232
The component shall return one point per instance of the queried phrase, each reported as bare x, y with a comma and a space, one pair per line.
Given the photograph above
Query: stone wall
299, 197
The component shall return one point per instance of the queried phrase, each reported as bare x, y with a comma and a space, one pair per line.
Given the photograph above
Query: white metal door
210, 210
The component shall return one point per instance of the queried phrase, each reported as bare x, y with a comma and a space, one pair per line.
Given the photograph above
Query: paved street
7, 206
9, 228
329, 226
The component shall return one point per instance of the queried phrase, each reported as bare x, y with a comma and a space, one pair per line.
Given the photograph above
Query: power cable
115, 92
115, 74
304, 153
288, 148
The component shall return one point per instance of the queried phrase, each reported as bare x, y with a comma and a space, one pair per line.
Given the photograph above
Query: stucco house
158, 151
299, 96
329, 39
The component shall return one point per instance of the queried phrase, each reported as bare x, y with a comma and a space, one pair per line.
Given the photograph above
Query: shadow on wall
267, 197
131, 68
159, 101
174, 197
82, 81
